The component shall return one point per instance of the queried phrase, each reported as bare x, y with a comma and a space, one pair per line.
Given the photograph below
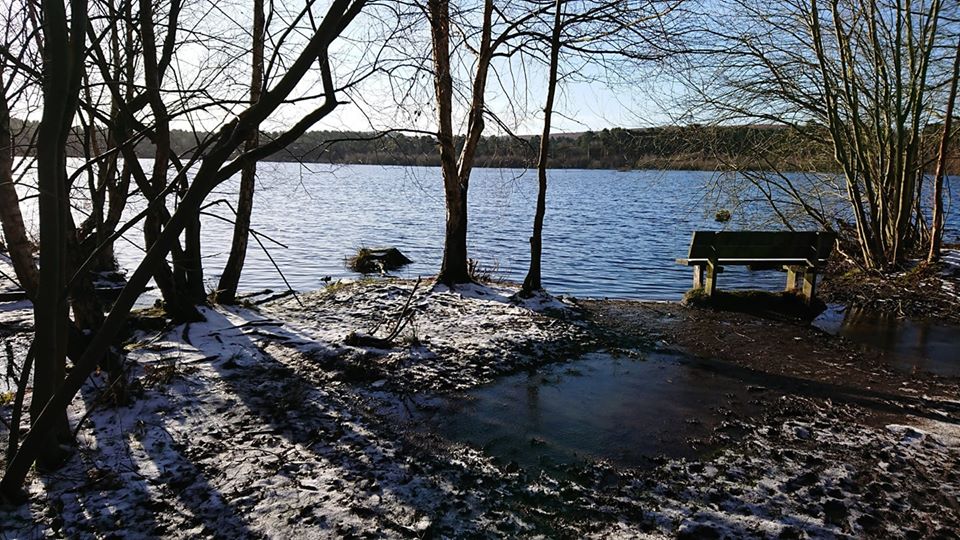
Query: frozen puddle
909, 345
600, 407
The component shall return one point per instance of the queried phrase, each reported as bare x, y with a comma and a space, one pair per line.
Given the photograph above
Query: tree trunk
181, 287
18, 245
533, 280
456, 175
936, 233
230, 279
453, 268
62, 63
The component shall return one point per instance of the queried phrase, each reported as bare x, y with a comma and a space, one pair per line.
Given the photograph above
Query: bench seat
771, 262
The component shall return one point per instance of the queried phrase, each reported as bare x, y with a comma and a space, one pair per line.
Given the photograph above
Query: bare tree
594, 33
230, 279
18, 244
532, 281
936, 231
862, 74
216, 164
456, 172
16, 78
456, 167
63, 52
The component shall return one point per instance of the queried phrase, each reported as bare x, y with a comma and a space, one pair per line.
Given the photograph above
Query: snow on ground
237, 428
255, 424
453, 340
233, 436
16, 321
951, 272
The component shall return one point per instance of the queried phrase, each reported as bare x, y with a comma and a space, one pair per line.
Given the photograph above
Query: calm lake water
607, 233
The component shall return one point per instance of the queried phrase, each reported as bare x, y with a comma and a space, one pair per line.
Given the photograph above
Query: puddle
910, 345
622, 410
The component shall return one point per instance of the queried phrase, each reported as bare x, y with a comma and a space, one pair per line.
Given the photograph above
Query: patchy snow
235, 434
454, 339
950, 273
16, 322
263, 423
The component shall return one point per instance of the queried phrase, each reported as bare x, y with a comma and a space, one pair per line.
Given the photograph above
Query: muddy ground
782, 356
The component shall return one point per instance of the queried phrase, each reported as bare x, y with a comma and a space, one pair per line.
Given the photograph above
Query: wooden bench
800, 254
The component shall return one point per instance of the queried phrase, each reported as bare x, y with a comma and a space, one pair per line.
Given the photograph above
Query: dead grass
377, 260
482, 273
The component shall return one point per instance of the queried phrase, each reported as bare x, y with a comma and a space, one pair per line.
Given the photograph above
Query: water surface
607, 233
619, 409
910, 345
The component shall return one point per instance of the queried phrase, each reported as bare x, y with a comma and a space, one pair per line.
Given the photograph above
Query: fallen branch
356, 339
18, 404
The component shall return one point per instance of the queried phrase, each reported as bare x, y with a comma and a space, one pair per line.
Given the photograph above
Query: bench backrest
758, 245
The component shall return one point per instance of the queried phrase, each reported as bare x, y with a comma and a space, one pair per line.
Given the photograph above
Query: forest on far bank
755, 147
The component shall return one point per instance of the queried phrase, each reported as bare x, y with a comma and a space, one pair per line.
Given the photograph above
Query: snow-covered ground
262, 422
951, 272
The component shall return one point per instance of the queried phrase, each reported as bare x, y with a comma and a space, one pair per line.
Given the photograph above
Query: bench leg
711, 285
809, 285
791, 278
697, 277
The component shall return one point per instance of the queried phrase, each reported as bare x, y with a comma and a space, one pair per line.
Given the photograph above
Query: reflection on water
910, 345
599, 407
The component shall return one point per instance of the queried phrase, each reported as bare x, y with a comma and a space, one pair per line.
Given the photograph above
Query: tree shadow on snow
140, 472
339, 471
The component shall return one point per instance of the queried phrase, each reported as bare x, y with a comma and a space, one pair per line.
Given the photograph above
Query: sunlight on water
607, 233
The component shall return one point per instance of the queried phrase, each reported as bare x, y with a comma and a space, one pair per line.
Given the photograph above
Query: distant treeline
686, 148
653, 148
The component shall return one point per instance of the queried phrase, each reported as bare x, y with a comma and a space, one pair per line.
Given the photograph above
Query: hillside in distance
664, 148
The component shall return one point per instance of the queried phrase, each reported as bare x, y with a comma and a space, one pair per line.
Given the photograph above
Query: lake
607, 233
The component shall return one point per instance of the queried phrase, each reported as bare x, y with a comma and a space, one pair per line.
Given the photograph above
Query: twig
262, 322
363, 340
277, 296
402, 319
17, 413
275, 265
256, 236
12, 280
